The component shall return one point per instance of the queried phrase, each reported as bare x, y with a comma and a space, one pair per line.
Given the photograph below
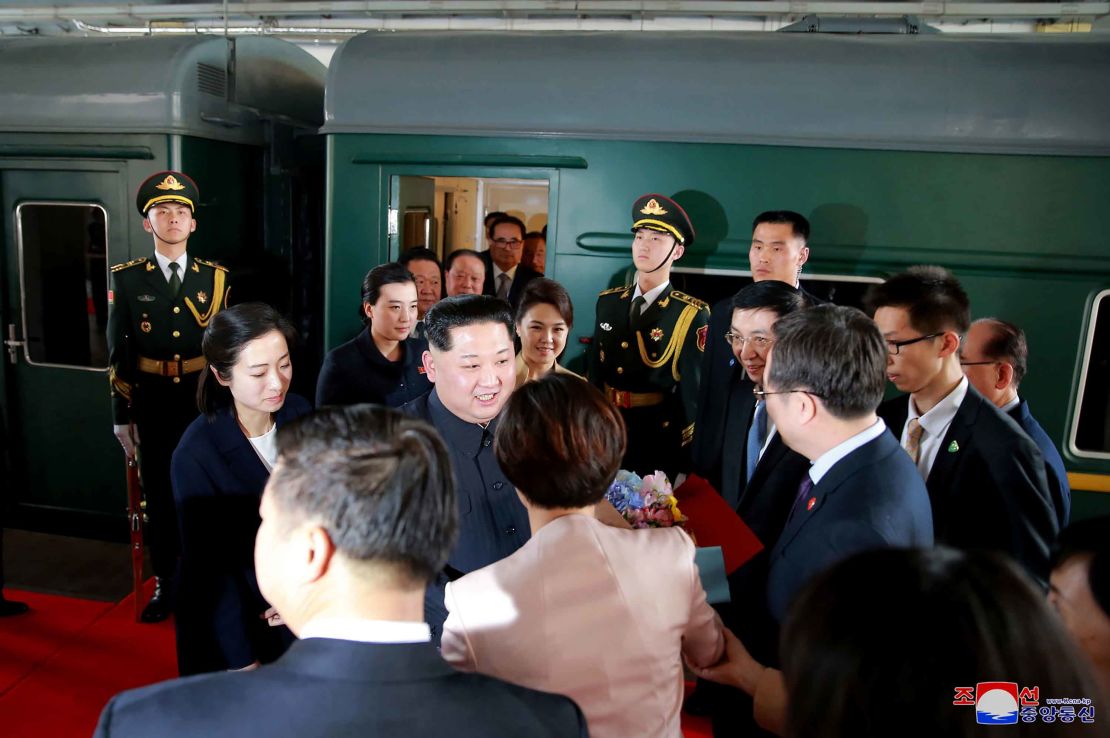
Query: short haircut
770, 294
500, 219
548, 292
390, 273
534, 234
227, 333
378, 481
585, 440
930, 294
463, 310
891, 632
835, 352
418, 253
457, 254
796, 221
492, 216
1089, 537
1007, 343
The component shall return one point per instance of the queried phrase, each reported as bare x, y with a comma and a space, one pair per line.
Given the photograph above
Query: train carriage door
59, 227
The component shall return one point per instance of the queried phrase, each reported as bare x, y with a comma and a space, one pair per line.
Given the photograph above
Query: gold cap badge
653, 208
169, 183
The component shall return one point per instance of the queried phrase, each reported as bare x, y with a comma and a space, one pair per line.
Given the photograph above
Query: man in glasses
994, 357
985, 477
506, 277
823, 382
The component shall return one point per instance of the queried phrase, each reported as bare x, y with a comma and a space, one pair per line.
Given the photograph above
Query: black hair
542, 291
224, 338
796, 221
502, 219
892, 633
393, 272
378, 481
492, 216
770, 294
835, 352
454, 255
1089, 537
1007, 343
418, 253
934, 299
464, 310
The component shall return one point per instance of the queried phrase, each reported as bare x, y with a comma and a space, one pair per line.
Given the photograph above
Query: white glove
128, 437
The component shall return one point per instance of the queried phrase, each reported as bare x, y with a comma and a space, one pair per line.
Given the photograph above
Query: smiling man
472, 363
159, 306
985, 476
648, 343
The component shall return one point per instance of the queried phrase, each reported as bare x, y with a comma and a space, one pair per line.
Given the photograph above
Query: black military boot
159, 607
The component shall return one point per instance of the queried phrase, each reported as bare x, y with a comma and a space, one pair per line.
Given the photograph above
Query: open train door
60, 223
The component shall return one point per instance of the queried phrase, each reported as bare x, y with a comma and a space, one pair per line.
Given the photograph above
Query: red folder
712, 522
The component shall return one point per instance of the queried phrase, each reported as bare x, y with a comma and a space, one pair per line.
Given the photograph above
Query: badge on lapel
811, 504
657, 334
953, 447
202, 297
606, 327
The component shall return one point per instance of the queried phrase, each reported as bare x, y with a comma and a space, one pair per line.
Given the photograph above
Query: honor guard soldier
648, 343
159, 307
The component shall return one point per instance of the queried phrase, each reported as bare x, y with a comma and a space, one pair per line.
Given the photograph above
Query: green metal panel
1026, 234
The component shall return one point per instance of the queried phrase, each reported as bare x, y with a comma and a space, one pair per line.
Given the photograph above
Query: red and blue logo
996, 703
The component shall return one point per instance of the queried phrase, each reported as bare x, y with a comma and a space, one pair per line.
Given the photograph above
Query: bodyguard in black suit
472, 363
357, 517
823, 381
995, 357
506, 249
986, 478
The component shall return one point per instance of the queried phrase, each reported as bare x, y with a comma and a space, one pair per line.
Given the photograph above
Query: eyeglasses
759, 343
894, 347
762, 394
512, 243
979, 363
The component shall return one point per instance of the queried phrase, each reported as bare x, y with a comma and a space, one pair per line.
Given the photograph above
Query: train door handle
12, 343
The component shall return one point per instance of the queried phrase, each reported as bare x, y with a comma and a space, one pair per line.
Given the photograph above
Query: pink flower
657, 483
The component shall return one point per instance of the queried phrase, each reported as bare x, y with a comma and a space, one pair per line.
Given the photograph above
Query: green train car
82, 122
988, 155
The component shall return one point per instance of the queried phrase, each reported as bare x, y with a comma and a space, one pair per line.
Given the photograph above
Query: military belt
172, 367
627, 400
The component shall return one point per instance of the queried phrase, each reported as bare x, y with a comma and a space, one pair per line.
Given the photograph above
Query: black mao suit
356, 372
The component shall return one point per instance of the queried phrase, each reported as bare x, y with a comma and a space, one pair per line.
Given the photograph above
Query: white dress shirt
650, 296
164, 264
826, 461
1010, 405
364, 630
497, 272
935, 422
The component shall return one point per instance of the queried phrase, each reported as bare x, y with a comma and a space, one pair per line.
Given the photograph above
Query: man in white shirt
986, 477
358, 515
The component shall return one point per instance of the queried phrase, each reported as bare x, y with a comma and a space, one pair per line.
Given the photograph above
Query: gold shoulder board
133, 262
688, 300
612, 291
212, 264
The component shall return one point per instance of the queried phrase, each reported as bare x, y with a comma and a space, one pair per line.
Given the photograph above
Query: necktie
757, 434
637, 308
175, 280
912, 445
503, 283
803, 491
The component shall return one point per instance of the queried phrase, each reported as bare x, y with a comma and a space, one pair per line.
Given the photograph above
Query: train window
714, 285
1091, 426
64, 283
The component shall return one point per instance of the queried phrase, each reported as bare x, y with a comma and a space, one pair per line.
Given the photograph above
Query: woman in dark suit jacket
383, 364
218, 471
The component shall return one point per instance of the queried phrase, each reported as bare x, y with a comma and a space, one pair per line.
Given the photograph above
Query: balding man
994, 357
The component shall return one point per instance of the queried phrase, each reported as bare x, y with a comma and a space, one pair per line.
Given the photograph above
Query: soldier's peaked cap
167, 186
661, 213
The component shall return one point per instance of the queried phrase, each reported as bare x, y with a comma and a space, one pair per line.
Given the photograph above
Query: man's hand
737, 669
128, 437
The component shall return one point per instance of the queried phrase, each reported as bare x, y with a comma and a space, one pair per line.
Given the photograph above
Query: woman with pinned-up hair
382, 364
219, 470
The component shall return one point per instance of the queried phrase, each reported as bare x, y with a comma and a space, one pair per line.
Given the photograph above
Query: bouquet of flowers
645, 503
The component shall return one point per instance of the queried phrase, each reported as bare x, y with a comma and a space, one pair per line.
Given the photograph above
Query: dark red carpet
60, 663
63, 661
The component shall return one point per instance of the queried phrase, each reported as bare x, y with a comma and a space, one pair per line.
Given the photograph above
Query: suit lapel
953, 446
775, 453
741, 404
238, 453
156, 281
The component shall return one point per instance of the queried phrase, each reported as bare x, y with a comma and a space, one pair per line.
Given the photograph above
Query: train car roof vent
211, 80
907, 25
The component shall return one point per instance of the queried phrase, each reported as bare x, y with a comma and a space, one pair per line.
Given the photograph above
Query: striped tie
913, 439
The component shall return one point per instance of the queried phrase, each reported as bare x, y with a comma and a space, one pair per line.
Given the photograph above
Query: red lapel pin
811, 503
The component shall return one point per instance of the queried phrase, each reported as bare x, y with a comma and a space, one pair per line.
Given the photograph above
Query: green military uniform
155, 359
649, 366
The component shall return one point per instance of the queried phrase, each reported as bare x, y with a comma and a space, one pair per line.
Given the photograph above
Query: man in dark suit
358, 515
506, 277
822, 384
470, 361
986, 478
994, 357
